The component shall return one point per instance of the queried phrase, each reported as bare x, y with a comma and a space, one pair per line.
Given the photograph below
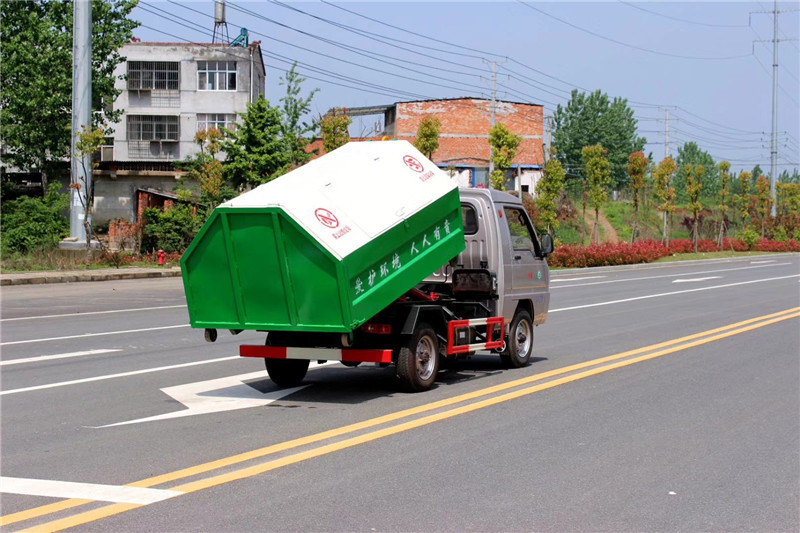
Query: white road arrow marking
693, 280
214, 396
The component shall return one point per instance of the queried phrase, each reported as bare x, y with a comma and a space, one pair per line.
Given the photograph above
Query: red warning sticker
412, 163
326, 218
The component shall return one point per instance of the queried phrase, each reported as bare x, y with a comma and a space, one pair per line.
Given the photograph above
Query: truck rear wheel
519, 346
286, 372
418, 363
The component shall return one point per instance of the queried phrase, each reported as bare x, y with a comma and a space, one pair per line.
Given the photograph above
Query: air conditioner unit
106, 153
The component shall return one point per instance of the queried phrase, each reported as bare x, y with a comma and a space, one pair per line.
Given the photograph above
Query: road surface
660, 398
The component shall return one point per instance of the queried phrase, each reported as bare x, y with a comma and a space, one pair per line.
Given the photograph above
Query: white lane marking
612, 302
57, 356
94, 313
120, 375
667, 276
93, 335
693, 280
552, 280
84, 491
762, 262
214, 396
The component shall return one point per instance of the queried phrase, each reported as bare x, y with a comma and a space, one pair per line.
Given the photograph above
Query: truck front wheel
519, 346
418, 363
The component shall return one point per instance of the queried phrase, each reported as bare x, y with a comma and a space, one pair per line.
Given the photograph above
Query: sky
690, 71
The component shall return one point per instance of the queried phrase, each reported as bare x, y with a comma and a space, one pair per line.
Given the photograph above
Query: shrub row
647, 251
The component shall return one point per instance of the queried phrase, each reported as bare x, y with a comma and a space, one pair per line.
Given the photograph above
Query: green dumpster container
326, 246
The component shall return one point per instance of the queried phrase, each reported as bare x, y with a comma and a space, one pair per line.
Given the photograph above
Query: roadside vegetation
602, 198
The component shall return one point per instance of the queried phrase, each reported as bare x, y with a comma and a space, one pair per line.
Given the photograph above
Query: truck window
470, 219
522, 235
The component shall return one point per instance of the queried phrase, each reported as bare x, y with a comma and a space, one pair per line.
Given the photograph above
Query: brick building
464, 136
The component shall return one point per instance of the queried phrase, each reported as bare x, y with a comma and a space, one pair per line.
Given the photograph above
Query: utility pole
774, 145
81, 167
491, 124
666, 132
549, 146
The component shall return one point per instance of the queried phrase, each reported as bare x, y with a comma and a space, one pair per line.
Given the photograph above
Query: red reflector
377, 329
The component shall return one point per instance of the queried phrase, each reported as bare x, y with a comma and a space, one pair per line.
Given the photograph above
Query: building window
216, 75
152, 128
215, 120
149, 75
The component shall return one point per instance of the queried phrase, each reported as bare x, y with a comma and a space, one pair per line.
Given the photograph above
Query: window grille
149, 75
216, 75
215, 120
153, 128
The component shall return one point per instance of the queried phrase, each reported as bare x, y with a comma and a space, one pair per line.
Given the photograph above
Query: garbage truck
370, 254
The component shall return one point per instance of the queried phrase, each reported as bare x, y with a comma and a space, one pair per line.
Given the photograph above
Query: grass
58, 259
708, 255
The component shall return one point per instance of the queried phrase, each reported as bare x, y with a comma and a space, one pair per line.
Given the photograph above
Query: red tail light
377, 329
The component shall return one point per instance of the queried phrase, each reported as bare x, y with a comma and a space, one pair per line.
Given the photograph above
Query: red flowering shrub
767, 245
735, 244
607, 254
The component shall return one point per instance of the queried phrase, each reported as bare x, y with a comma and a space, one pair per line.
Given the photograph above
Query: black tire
287, 372
284, 372
418, 363
519, 345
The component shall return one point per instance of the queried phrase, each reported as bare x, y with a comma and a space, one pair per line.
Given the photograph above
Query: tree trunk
665, 239
694, 233
635, 223
595, 228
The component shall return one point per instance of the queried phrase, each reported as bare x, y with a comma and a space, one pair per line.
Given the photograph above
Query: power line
628, 45
709, 24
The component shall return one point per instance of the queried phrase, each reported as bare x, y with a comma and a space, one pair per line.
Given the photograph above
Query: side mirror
547, 244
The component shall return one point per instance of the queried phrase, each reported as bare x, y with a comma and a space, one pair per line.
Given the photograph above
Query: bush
750, 238
767, 245
29, 223
607, 254
171, 230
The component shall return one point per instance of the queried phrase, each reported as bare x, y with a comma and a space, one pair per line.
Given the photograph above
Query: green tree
548, 190
757, 171
741, 201
664, 192
598, 175
786, 177
171, 229
256, 150
504, 145
334, 129
206, 170
427, 140
763, 201
694, 186
88, 144
691, 154
637, 168
27, 223
594, 119
788, 198
724, 194
36, 58
294, 107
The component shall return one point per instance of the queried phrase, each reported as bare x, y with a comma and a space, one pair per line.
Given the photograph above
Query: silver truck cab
501, 239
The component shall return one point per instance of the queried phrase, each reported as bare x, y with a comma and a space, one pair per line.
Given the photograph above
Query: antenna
220, 34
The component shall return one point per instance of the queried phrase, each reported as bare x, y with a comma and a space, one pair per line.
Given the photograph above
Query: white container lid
350, 196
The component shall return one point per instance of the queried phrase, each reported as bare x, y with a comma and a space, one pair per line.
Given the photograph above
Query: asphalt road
661, 398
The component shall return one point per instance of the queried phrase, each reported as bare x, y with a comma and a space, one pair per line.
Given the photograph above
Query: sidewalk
101, 274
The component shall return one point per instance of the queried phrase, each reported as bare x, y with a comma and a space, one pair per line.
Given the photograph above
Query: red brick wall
465, 129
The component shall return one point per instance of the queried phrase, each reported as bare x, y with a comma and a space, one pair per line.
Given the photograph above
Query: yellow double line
568, 374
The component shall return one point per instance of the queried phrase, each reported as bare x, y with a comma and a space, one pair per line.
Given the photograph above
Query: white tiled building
169, 92
172, 90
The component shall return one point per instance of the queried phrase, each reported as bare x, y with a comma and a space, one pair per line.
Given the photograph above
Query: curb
40, 278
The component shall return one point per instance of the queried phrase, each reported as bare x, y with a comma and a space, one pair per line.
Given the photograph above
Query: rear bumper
316, 354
